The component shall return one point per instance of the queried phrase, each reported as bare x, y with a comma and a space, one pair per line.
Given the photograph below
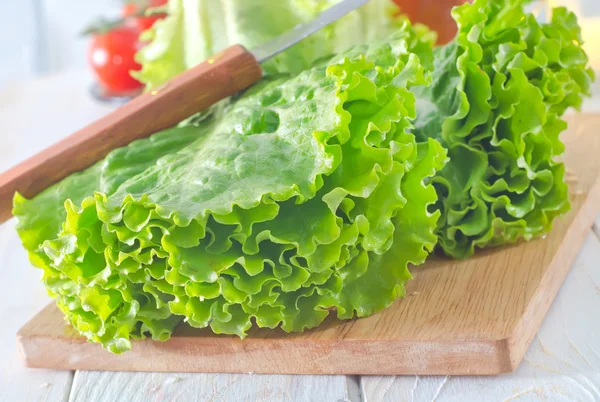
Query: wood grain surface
471, 317
222, 75
18, 302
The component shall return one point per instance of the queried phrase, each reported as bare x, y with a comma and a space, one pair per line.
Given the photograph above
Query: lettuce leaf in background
306, 195
498, 94
196, 29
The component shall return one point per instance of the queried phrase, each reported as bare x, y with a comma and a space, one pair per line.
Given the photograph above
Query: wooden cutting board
469, 317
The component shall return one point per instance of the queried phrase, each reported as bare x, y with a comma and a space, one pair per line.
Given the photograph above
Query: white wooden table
562, 364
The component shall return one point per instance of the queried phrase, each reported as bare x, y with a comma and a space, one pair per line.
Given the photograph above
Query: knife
222, 75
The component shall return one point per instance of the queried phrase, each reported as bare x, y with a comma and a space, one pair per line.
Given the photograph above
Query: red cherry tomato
433, 13
142, 22
129, 9
133, 8
111, 55
133, 18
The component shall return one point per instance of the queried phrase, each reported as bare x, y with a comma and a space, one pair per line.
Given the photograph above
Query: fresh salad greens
498, 94
311, 193
196, 29
306, 195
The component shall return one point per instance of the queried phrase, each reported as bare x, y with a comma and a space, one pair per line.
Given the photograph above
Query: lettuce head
196, 29
496, 102
305, 196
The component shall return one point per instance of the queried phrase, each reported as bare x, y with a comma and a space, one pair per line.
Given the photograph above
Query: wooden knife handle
220, 76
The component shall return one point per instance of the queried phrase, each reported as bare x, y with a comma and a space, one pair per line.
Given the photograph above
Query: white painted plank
562, 363
33, 116
147, 387
21, 296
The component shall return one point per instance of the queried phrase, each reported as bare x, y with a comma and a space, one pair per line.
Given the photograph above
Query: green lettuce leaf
196, 29
498, 94
306, 195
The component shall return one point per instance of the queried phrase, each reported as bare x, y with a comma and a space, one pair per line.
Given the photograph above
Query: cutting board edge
44, 347
322, 358
524, 332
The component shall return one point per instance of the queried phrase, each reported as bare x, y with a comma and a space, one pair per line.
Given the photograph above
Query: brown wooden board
460, 317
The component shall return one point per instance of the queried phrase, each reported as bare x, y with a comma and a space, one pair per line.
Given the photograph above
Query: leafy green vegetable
498, 93
307, 194
312, 193
196, 29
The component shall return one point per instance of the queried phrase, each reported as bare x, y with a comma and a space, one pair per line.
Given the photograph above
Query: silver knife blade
266, 51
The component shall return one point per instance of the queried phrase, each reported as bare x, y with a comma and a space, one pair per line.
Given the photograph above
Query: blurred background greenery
42, 37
